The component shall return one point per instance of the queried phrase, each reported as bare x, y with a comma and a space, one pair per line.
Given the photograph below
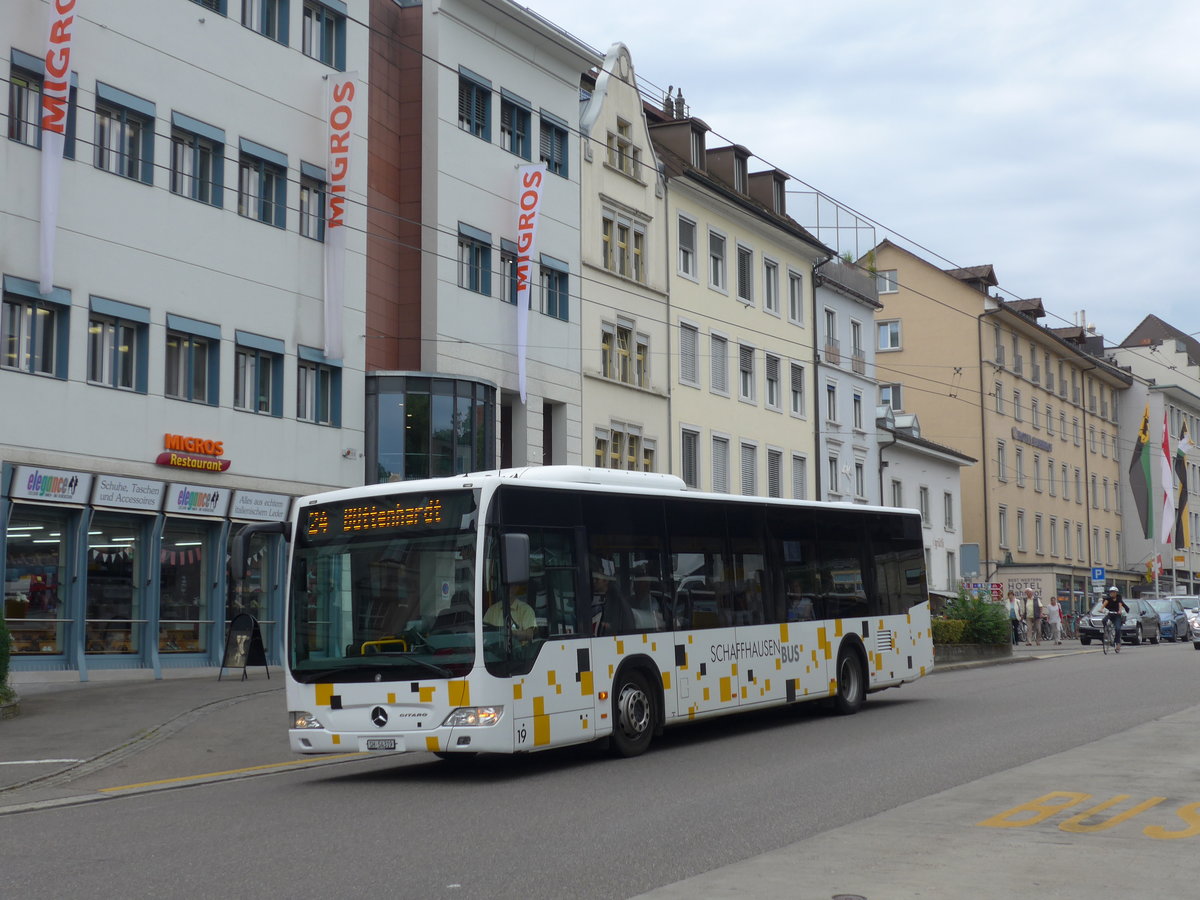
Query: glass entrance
185, 603
114, 617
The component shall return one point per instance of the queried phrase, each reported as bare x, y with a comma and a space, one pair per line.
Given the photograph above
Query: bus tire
633, 714
851, 683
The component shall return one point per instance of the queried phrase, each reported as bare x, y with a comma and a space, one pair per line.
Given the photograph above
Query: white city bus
525, 609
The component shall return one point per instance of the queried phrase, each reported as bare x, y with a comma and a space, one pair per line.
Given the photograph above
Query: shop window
35, 568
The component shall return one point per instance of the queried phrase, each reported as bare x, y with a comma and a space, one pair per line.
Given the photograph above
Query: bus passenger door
553, 698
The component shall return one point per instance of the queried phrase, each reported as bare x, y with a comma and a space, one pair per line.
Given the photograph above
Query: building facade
1037, 406
741, 310
918, 474
845, 302
624, 285
464, 94
1165, 362
171, 382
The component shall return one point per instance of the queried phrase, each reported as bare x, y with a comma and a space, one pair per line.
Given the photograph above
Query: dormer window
740, 182
698, 149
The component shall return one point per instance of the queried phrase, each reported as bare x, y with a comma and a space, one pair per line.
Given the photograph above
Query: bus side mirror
240, 550
515, 559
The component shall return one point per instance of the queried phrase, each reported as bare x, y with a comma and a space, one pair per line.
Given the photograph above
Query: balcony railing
858, 361
833, 351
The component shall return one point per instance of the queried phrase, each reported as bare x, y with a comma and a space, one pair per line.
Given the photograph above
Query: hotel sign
1026, 438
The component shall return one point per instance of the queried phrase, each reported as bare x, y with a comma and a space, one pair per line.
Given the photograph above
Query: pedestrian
1054, 618
1031, 612
1014, 616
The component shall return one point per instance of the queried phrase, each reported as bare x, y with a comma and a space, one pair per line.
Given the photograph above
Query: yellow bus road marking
1100, 815
183, 779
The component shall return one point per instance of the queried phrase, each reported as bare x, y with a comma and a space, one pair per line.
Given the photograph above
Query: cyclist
1115, 609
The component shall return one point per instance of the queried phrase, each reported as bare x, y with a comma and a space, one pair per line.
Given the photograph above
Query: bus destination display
362, 516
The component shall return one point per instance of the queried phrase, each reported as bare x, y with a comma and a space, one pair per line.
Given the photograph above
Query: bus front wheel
633, 715
851, 683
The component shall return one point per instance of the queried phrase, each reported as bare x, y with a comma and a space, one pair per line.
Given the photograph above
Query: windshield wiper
441, 673
361, 671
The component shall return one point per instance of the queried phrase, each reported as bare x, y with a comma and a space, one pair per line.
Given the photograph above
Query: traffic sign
1097, 573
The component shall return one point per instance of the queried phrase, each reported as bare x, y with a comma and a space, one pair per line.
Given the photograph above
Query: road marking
37, 762
1096, 818
225, 774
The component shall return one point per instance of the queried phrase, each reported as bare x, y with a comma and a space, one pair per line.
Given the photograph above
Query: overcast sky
1058, 140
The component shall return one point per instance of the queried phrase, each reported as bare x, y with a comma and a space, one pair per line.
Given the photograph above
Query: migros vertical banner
56, 96
529, 201
340, 109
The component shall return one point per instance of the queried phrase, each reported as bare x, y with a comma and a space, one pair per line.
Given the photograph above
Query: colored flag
56, 97
1183, 529
1139, 475
339, 115
1168, 485
529, 202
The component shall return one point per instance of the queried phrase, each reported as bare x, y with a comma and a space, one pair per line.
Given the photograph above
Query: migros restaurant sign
199, 454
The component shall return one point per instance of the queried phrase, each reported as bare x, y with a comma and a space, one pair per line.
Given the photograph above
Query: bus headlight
304, 720
474, 715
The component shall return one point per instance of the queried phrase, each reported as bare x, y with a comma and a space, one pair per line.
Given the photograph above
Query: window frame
554, 148
745, 274
516, 134
314, 184
196, 142
262, 171
686, 261
199, 339
258, 16
323, 32
770, 286
888, 335
886, 281
474, 261
474, 104
258, 374
124, 112
718, 272
34, 313
324, 405
120, 322
554, 279
795, 297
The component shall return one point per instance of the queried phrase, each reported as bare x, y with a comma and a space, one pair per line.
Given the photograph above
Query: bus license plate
381, 743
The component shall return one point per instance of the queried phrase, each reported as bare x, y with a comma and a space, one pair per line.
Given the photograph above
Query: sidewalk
66, 728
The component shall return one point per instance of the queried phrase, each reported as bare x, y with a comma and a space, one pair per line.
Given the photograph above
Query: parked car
1172, 620
1141, 623
1191, 606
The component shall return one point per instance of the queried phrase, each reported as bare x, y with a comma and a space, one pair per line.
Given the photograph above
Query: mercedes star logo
379, 716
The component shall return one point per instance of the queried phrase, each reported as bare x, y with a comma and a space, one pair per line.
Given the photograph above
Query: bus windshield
383, 588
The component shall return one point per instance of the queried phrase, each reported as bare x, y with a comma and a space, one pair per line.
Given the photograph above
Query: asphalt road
576, 823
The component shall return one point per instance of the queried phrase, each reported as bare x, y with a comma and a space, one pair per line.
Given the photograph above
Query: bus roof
560, 477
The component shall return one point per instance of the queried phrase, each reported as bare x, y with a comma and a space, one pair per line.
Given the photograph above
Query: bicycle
1110, 637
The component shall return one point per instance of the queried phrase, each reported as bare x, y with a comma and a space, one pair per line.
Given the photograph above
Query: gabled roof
984, 274
1152, 330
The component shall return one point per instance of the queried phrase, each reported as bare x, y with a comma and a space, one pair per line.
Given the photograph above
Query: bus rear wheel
633, 715
851, 683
